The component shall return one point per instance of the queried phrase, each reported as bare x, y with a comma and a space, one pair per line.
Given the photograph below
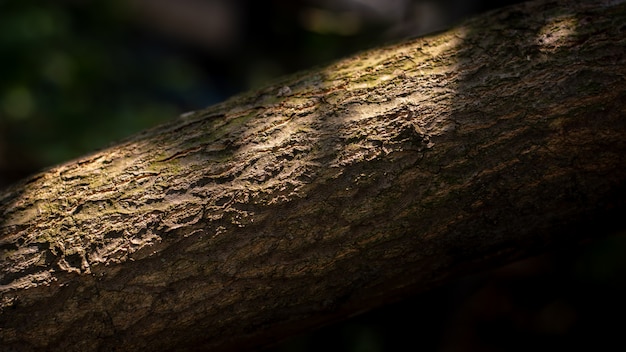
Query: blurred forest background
77, 75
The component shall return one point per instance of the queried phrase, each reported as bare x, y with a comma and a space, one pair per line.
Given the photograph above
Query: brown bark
328, 193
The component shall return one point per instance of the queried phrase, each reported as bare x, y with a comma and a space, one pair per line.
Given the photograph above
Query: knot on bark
410, 133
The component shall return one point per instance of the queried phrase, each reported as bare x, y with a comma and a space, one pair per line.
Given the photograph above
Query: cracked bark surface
329, 192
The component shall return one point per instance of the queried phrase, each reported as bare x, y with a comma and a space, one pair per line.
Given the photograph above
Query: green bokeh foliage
75, 78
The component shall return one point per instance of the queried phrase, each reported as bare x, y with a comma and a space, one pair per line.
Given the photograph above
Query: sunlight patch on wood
556, 33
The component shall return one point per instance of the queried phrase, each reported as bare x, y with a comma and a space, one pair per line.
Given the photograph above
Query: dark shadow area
570, 298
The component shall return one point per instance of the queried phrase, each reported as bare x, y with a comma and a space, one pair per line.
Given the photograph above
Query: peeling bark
328, 193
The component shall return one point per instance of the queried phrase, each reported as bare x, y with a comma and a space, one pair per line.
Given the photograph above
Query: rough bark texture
328, 193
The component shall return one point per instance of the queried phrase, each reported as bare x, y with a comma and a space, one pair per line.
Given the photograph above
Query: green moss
173, 166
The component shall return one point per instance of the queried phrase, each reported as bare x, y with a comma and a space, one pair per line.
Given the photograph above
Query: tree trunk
328, 193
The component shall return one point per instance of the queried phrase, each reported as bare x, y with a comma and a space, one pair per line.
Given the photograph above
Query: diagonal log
328, 193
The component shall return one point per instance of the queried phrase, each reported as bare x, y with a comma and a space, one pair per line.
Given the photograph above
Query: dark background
77, 75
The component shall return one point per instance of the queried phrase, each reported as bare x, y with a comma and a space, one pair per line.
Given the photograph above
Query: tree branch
328, 193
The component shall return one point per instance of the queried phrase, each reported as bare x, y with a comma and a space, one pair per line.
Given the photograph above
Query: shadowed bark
328, 193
